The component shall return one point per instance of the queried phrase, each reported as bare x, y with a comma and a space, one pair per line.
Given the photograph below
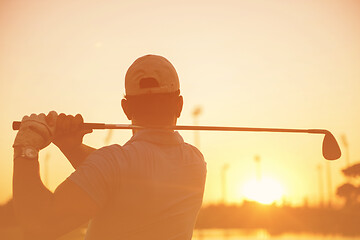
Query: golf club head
330, 148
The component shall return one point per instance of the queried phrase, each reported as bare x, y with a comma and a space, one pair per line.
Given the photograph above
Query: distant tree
352, 171
348, 191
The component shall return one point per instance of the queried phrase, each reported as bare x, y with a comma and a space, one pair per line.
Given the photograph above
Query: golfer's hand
69, 132
36, 131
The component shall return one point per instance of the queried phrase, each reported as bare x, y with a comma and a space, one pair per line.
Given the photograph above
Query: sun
265, 191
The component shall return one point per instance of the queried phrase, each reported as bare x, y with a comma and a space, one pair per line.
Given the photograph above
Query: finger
60, 123
51, 118
77, 123
41, 117
73, 125
79, 117
26, 117
33, 115
67, 123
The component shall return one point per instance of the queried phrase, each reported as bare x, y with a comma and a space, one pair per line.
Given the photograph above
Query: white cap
151, 74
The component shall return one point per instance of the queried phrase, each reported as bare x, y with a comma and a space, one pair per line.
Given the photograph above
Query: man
149, 188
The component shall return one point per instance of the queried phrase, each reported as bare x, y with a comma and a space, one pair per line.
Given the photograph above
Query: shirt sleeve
97, 176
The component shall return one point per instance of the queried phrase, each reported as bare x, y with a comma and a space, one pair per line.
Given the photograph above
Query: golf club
330, 147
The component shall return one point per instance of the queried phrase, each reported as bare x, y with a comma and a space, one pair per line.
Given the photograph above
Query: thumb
86, 131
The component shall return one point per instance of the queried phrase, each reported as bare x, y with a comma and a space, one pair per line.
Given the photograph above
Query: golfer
149, 188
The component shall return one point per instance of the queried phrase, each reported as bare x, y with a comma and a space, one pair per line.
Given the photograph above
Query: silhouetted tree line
282, 219
275, 219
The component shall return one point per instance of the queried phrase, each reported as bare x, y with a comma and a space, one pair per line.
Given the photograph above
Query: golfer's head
152, 91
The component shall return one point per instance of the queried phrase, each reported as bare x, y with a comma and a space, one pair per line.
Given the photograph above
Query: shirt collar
157, 136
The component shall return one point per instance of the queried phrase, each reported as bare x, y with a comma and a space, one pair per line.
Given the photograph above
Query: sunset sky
258, 63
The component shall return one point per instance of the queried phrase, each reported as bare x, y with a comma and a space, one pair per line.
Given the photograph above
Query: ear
126, 108
179, 106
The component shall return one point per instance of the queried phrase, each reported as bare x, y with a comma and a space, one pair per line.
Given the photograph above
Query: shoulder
194, 150
194, 153
107, 157
108, 152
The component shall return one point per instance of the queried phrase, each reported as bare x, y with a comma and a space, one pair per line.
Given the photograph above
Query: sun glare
264, 191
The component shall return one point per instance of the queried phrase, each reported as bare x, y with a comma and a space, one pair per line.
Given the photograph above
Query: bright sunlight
265, 191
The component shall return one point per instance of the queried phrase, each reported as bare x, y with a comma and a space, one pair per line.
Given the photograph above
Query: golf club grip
16, 125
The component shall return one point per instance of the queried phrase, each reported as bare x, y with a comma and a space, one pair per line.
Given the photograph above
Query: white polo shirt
150, 188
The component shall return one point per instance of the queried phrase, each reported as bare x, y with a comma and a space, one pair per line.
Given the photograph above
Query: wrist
27, 152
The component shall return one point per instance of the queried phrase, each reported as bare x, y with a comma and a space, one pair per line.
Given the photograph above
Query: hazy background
262, 63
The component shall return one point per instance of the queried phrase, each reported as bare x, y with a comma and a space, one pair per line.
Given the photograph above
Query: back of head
152, 91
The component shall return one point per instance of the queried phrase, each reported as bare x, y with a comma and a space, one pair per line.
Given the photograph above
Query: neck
158, 124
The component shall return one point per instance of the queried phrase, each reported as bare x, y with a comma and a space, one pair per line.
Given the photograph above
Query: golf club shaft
16, 126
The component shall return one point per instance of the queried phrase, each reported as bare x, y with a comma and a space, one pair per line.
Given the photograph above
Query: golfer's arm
43, 214
29, 193
76, 155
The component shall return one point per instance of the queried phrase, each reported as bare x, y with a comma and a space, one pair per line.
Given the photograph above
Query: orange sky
293, 64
